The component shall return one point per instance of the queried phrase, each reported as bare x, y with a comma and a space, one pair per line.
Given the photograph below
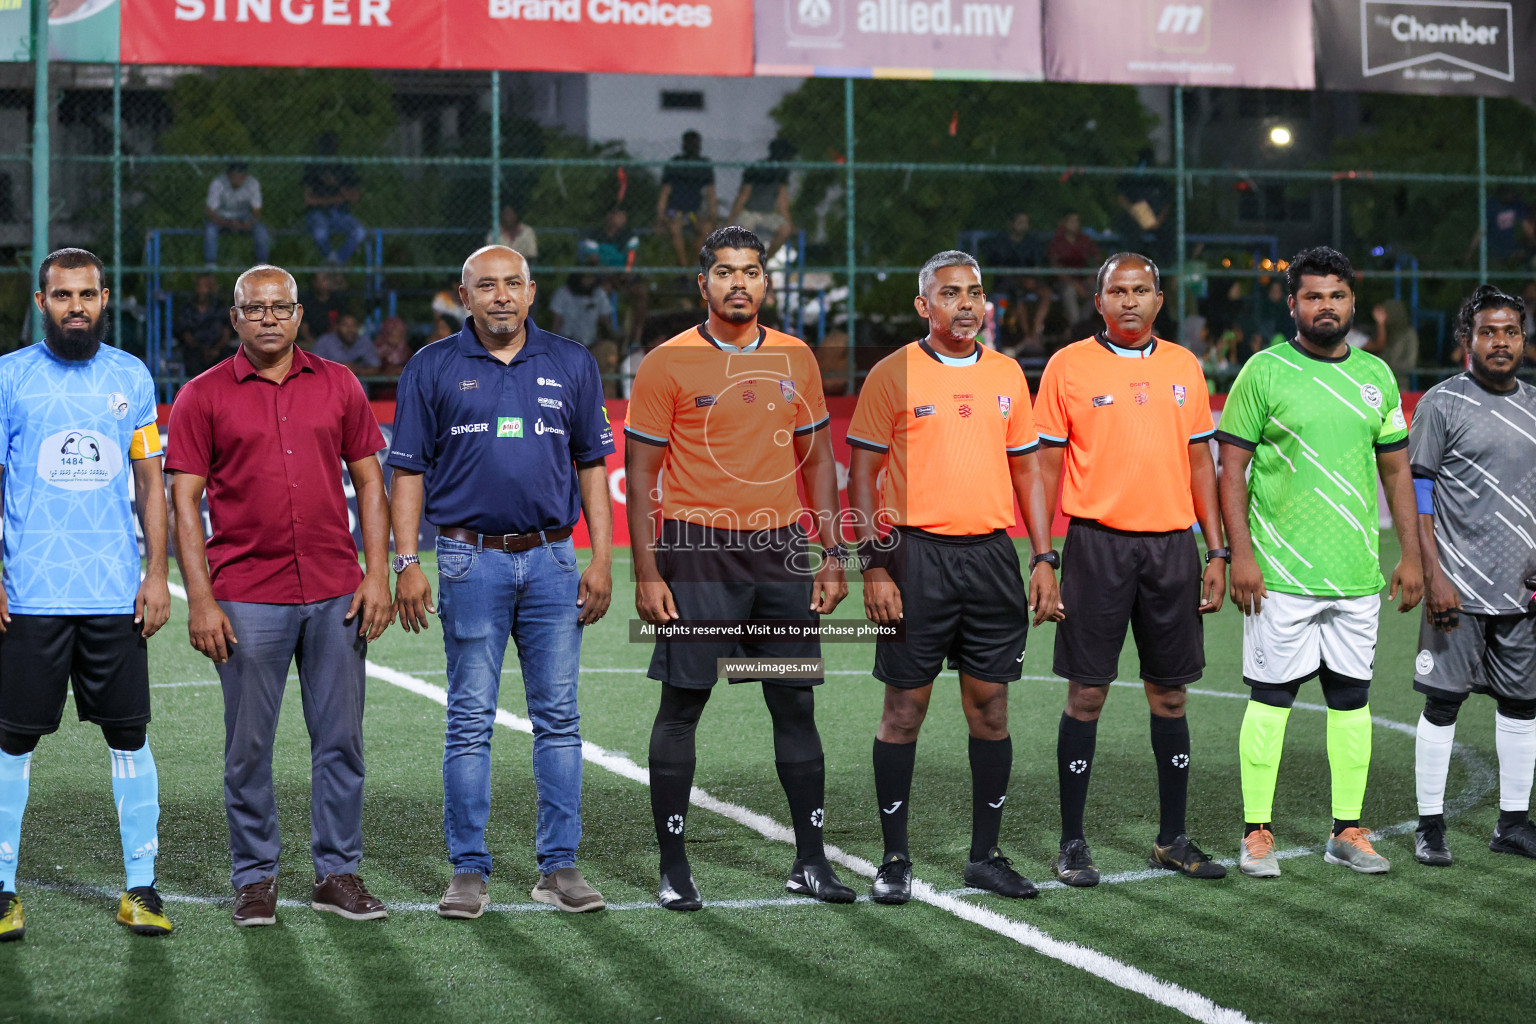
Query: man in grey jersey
1473, 452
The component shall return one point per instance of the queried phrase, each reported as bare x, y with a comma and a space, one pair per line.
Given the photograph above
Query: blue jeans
258, 233
485, 597
323, 222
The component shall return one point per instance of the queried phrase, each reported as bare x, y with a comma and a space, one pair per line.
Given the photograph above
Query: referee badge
1179, 393
1004, 405
787, 388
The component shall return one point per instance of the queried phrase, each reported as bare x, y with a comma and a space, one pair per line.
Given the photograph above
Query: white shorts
1293, 635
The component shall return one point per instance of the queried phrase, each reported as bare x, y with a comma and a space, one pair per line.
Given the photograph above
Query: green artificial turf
1318, 943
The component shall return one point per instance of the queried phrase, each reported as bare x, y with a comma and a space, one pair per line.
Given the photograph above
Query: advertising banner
1449, 47
999, 39
1245, 43
284, 33
674, 37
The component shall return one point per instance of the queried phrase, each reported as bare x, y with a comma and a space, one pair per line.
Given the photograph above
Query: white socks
1515, 740
1432, 763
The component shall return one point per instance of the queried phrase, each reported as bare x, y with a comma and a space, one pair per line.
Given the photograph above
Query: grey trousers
330, 658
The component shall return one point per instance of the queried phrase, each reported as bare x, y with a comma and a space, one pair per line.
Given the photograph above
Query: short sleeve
591, 434
810, 400
1244, 415
1195, 404
873, 426
1393, 435
146, 432
652, 400
6, 418
1427, 436
413, 442
1020, 435
360, 433
190, 435
1053, 419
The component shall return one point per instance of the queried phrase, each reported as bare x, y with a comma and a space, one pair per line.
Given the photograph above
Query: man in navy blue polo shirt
500, 434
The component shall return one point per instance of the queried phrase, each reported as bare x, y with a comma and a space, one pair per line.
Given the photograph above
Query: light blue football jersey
70, 430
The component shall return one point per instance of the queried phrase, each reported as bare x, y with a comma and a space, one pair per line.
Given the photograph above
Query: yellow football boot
13, 925
141, 910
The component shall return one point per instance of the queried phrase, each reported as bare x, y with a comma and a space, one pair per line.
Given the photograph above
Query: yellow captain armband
146, 442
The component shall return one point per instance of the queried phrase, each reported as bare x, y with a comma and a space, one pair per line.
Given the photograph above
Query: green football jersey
1315, 427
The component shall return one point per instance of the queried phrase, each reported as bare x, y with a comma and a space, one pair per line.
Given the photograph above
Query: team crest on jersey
1179, 393
118, 403
1370, 394
787, 389
1004, 405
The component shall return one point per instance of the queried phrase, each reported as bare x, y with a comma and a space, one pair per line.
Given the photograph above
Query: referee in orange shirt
949, 422
1127, 418
722, 420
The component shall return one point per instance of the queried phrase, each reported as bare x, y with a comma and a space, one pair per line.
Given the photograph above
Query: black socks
1170, 745
670, 786
893, 788
1075, 741
805, 784
991, 764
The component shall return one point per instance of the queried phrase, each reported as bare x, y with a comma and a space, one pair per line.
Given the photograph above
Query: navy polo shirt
497, 442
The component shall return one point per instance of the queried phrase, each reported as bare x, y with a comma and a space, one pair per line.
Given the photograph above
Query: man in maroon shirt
263, 432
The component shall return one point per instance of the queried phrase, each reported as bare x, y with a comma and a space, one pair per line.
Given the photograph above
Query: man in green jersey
1315, 421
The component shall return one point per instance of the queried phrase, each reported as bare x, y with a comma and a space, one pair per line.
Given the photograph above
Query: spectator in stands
234, 206
330, 189
1146, 200
1529, 295
1395, 341
202, 328
583, 310
447, 316
1027, 300
1266, 319
393, 345
611, 245
324, 304
514, 234
1072, 249
350, 346
686, 204
1511, 228
762, 202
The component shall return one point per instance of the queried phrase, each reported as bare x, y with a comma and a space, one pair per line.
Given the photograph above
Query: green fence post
41, 111
495, 153
1180, 182
849, 141
1482, 190
117, 198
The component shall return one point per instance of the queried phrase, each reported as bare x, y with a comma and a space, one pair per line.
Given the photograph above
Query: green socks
1349, 760
1259, 745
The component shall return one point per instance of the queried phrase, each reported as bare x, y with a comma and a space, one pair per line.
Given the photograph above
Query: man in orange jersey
949, 422
722, 419
1126, 417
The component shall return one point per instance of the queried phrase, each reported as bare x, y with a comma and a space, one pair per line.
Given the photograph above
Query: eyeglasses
280, 311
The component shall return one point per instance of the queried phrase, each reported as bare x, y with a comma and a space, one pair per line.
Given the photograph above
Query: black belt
508, 542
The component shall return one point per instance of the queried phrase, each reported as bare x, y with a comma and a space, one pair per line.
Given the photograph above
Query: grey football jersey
1480, 450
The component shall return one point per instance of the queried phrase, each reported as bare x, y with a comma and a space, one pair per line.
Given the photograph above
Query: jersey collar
973, 358
1321, 359
1145, 352
303, 362
534, 343
762, 334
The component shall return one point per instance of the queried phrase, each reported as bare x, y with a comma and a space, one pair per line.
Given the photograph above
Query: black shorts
962, 602
1149, 581
733, 576
102, 657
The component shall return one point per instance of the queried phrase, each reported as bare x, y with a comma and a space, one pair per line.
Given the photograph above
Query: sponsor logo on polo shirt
1141, 398
551, 403
698, 403
924, 410
964, 398
965, 411
550, 382
1005, 405
76, 460
1099, 400
469, 428
468, 385
509, 426
540, 428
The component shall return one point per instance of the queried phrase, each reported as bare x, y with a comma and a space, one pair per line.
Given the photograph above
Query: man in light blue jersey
74, 417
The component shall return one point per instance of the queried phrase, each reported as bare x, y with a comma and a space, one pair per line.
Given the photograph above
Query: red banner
284, 33
675, 37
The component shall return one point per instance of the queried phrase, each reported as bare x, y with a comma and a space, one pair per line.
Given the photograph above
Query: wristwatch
399, 562
1225, 554
1050, 558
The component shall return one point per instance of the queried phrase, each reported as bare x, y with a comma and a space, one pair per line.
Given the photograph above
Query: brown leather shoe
465, 897
347, 896
256, 903
566, 889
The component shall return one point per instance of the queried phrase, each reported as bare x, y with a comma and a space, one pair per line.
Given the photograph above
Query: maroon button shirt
272, 456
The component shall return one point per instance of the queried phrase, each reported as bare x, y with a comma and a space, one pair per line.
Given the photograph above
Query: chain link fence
373, 186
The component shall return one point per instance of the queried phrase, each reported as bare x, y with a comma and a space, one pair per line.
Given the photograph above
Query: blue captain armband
1424, 490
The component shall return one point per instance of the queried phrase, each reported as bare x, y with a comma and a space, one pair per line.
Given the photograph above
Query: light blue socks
15, 780
136, 791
